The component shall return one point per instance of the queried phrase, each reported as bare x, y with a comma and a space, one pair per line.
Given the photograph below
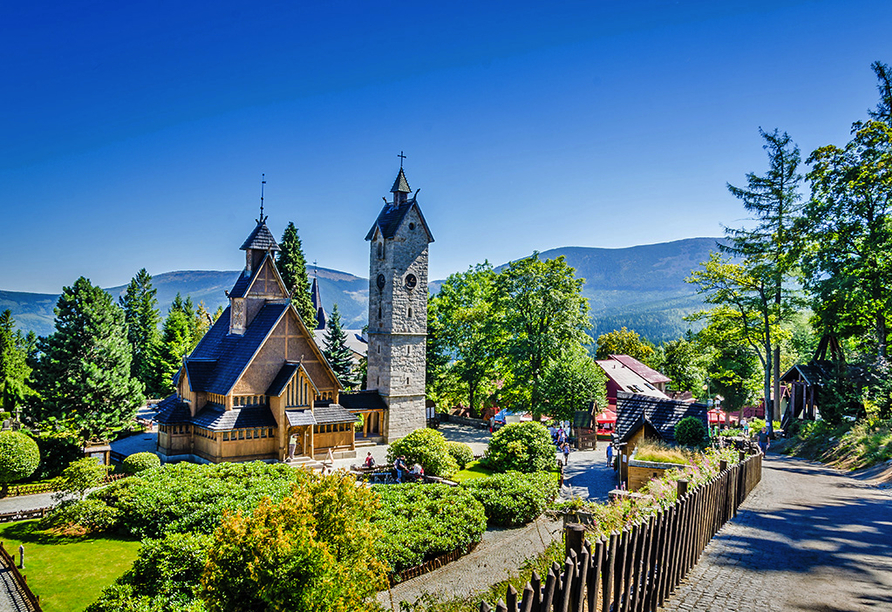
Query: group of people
403, 471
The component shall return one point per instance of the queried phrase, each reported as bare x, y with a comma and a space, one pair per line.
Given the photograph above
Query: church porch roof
298, 418
362, 400
172, 411
216, 418
332, 413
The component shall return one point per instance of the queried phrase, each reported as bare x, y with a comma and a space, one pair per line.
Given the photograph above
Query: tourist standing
565, 448
764, 441
610, 455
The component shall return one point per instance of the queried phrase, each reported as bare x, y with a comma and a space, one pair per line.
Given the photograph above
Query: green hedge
513, 499
81, 517
427, 447
462, 453
424, 521
690, 431
19, 456
140, 462
522, 447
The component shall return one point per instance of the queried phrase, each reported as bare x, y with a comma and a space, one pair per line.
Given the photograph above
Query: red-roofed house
629, 375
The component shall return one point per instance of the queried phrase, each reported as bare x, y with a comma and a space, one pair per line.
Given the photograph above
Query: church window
256, 433
225, 436
241, 434
380, 250
410, 312
411, 226
270, 433
411, 281
379, 314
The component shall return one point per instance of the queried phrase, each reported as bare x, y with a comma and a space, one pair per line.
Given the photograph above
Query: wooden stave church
257, 386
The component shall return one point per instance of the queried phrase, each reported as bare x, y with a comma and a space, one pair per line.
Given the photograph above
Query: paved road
808, 538
11, 599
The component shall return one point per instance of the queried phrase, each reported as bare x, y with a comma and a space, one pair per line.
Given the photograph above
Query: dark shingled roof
261, 239
633, 411
216, 418
199, 371
333, 413
172, 410
241, 285
362, 400
233, 352
821, 372
300, 417
289, 369
400, 185
392, 215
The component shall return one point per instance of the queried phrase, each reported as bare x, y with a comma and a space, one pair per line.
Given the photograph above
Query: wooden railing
51, 486
431, 565
636, 570
32, 601
23, 515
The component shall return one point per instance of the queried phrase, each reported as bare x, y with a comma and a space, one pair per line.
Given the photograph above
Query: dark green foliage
293, 268
84, 372
81, 476
185, 497
142, 318
15, 373
461, 452
140, 462
839, 398
427, 447
81, 517
336, 351
57, 451
163, 578
19, 456
513, 498
424, 521
690, 431
682, 361
177, 341
572, 382
523, 447
625, 342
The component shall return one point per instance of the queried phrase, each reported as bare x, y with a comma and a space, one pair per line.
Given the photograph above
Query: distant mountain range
640, 287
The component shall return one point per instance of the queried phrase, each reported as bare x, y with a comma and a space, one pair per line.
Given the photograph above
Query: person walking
565, 448
610, 455
764, 441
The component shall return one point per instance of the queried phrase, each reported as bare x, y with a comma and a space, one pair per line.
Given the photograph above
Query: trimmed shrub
140, 462
81, 476
421, 522
57, 452
522, 447
461, 452
19, 457
690, 431
513, 499
80, 518
427, 447
5, 415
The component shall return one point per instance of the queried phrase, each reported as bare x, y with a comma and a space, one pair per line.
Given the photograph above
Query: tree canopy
625, 342
142, 318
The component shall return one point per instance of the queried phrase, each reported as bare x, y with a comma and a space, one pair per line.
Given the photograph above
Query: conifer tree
15, 373
142, 317
336, 351
293, 268
177, 341
84, 372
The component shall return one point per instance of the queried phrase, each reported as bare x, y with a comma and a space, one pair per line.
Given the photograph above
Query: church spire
400, 189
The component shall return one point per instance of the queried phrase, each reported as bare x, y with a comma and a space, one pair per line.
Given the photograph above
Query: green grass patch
473, 471
657, 452
848, 446
68, 573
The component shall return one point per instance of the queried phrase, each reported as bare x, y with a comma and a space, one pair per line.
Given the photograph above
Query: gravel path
808, 538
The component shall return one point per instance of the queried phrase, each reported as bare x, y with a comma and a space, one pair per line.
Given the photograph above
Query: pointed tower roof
316, 299
261, 239
400, 185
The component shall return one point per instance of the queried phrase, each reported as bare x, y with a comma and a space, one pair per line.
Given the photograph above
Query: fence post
536, 585
723, 465
573, 534
682, 488
21, 556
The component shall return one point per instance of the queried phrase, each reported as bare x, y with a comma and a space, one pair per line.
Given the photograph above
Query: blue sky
134, 134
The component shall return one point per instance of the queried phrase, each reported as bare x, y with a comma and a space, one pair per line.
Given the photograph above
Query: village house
626, 374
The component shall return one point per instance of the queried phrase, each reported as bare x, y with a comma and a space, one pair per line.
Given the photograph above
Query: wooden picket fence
32, 601
638, 569
51, 486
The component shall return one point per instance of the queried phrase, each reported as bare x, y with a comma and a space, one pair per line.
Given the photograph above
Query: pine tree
142, 317
84, 372
177, 341
15, 373
293, 268
336, 351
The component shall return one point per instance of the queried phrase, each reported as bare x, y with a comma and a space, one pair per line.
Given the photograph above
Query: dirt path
808, 538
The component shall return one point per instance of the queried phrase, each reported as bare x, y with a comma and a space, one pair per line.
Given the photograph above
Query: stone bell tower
398, 310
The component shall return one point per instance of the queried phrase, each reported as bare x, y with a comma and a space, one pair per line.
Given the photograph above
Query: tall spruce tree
84, 371
293, 268
177, 341
336, 351
15, 373
142, 318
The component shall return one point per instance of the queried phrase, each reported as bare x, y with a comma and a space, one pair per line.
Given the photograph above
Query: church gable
267, 283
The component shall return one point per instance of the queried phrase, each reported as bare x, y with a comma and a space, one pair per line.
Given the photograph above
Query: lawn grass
472, 471
657, 452
68, 573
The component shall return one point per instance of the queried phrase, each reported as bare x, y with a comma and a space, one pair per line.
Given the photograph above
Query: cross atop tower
402, 157
262, 219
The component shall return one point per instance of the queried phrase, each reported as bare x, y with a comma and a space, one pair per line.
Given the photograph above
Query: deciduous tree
625, 342
572, 382
15, 373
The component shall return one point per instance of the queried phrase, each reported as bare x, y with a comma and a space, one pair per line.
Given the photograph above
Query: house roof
300, 417
645, 372
332, 413
240, 288
627, 379
216, 418
286, 373
634, 411
172, 410
260, 239
391, 217
362, 400
821, 372
199, 372
355, 342
232, 353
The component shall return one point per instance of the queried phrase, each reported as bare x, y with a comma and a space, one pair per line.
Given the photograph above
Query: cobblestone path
808, 538
11, 599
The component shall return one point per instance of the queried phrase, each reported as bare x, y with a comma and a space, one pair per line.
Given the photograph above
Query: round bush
461, 452
522, 447
690, 431
19, 456
427, 447
513, 499
140, 462
81, 517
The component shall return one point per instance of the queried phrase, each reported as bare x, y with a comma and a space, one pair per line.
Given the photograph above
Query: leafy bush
57, 451
80, 517
514, 498
690, 431
140, 462
522, 447
5, 415
461, 452
185, 497
19, 457
81, 476
427, 447
421, 522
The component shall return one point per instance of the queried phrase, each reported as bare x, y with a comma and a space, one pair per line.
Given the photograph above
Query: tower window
411, 226
379, 349
379, 314
407, 381
380, 250
410, 312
